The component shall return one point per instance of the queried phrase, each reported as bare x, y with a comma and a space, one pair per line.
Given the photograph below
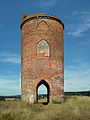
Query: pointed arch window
42, 48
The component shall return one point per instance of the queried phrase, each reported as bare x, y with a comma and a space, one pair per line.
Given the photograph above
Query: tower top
26, 18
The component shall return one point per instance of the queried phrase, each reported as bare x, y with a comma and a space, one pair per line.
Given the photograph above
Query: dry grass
42, 100
73, 108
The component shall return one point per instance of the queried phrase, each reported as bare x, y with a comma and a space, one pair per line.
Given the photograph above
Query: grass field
73, 108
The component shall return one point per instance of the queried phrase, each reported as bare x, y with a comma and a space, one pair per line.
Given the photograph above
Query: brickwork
42, 56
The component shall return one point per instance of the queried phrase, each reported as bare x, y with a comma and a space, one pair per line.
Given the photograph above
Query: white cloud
80, 25
47, 3
84, 43
11, 58
77, 78
80, 30
9, 85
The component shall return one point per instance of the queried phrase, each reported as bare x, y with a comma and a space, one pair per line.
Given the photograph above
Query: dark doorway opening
43, 97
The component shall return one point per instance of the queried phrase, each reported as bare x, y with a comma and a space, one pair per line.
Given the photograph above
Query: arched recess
48, 89
43, 48
42, 26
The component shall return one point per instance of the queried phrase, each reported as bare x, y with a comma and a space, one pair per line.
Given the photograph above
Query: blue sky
76, 16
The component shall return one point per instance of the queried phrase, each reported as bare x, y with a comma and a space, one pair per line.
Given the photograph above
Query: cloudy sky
76, 16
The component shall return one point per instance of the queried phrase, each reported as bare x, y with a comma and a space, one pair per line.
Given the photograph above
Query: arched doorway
45, 84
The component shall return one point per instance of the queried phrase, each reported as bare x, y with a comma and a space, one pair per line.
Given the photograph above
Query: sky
76, 17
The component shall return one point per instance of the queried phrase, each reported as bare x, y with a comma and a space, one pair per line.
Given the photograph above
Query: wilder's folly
42, 57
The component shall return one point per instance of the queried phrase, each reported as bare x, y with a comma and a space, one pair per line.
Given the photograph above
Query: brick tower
42, 56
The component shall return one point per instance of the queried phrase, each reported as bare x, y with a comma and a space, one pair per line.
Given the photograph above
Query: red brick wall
36, 67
